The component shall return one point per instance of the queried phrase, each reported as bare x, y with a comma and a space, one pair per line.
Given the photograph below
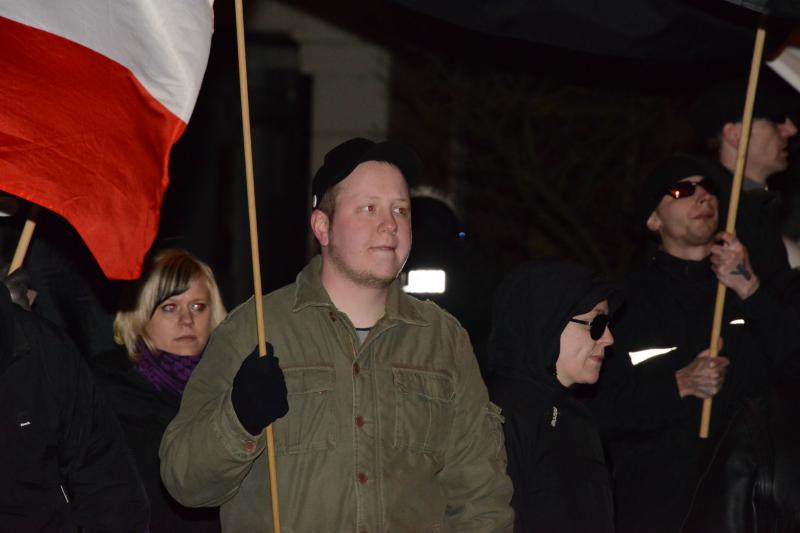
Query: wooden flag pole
24, 238
733, 206
251, 210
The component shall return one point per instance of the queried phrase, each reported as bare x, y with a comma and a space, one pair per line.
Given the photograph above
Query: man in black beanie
649, 396
717, 118
389, 425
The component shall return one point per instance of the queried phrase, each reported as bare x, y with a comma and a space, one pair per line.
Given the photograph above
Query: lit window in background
425, 282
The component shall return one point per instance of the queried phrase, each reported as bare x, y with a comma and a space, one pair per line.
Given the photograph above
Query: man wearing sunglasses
652, 386
717, 119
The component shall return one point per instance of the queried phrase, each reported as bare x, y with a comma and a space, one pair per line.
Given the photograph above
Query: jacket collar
683, 269
309, 292
753, 189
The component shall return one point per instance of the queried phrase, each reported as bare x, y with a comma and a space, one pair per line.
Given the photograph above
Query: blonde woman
163, 323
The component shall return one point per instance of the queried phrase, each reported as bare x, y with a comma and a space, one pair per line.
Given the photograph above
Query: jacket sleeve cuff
234, 437
762, 304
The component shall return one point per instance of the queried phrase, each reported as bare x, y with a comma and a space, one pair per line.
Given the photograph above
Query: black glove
18, 284
259, 392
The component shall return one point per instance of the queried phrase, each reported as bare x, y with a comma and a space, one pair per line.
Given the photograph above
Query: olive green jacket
396, 434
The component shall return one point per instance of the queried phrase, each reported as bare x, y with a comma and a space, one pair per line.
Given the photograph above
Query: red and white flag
787, 65
93, 94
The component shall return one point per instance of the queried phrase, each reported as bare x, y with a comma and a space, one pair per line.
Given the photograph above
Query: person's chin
592, 376
383, 279
386, 272
186, 350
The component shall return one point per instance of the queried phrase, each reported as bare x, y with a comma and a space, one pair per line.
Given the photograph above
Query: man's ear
654, 222
731, 132
320, 225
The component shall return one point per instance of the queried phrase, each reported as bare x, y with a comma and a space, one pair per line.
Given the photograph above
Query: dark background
539, 148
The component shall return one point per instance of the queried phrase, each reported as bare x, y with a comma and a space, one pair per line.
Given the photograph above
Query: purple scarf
166, 372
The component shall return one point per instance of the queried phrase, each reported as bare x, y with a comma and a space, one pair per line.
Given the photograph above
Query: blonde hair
167, 274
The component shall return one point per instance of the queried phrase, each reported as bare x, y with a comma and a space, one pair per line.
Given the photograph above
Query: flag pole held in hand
251, 211
733, 206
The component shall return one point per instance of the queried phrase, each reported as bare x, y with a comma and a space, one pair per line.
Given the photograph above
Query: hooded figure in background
63, 460
549, 332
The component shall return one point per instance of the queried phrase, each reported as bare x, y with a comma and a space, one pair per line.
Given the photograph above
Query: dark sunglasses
684, 189
596, 327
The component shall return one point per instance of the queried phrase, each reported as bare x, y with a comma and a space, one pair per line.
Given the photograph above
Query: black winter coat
144, 414
652, 434
753, 482
63, 459
555, 457
758, 226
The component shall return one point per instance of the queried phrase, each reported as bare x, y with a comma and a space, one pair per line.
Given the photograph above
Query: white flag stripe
170, 64
787, 65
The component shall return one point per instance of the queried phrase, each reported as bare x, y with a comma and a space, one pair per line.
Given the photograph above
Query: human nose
607, 339
701, 193
186, 317
389, 223
788, 128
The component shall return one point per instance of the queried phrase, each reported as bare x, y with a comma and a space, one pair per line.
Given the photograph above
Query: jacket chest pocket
310, 424
423, 410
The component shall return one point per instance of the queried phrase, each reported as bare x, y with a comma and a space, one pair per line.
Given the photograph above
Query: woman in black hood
549, 332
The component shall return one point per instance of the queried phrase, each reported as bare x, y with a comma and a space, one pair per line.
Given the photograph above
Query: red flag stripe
164, 44
81, 136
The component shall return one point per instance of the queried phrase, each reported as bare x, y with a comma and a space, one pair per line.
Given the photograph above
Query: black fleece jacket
651, 433
63, 459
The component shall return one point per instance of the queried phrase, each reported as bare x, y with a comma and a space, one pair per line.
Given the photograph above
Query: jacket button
333, 317
356, 369
359, 421
249, 446
362, 477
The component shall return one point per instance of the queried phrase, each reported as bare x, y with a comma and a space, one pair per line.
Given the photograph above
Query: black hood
532, 307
